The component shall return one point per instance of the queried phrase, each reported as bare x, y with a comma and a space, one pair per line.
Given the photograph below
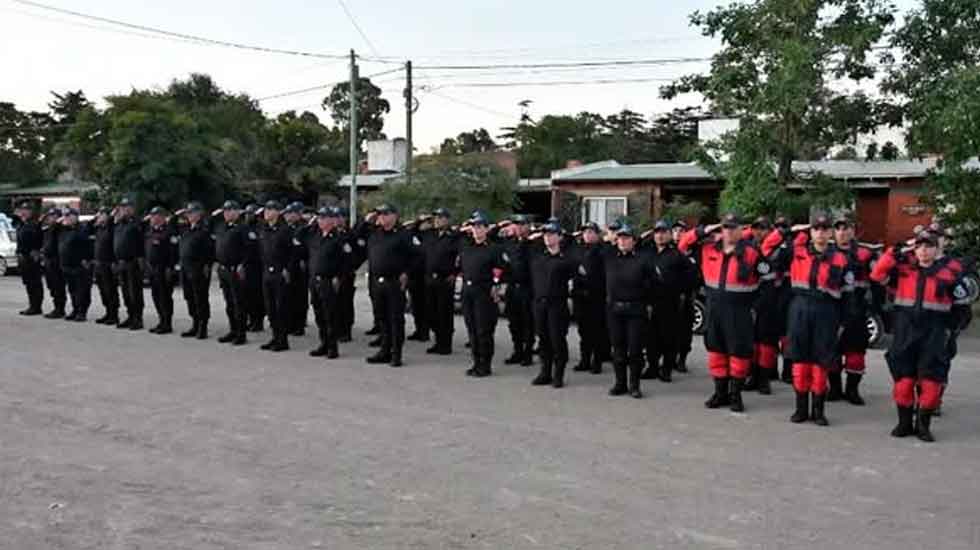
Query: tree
25, 144
458, 183
871, 153
889, 151
371, 109
554, 140
302, 154
476, 141
774, 67
681, 209
938, 83
846, 153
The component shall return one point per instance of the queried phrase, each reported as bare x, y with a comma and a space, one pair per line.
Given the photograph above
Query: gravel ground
121, 440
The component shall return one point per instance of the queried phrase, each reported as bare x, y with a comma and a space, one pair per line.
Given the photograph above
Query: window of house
603, 210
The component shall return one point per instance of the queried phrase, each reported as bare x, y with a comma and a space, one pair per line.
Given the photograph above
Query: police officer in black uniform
29, 243
391, 255
278, 252
440, 247
104, 258
254, 303
161, 266
685, 322
75, 251
551, 270
417, 283
54, 278
589, 299
518, 299
629, 275
348, 279
298, 287
329, 254
128, 250
674, 276
478, 258
235, 246
196, 256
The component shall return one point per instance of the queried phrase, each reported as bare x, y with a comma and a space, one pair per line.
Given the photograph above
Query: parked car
8, 245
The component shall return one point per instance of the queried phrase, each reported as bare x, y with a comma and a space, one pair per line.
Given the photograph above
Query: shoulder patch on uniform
960, 292
506, 257
214, 237
849, 277
174, 239
416, 241
582, 271
763, 268
296, 242
252, 236
347, 248
361, 242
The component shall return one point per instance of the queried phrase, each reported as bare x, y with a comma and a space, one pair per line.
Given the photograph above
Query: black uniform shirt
550, 273
196, 245
330, 254
104, 251
441, 249
161, 246
50, 245
591, 279
391, 253
235, 243
127, 241
673, 272
477, 262
518, 256
276, 246
75, 245
29, 238
628, 276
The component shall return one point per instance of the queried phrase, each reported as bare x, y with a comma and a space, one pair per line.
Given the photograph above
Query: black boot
527, 359
166, 326
319, 351
559, 376
191, 332
281, 344
544, 377
835, 393
514, 359
665, 372
156, 328
112, 318
764, 377
851, 393
752, 382
817, 415
56, 313
373, 331
787, 371
635, 383
240, 339
268, 345
332, 352
376, 343
584, 364
102, 320
720, 397
379, 358
681, 365
227, 338
904, 427
396, 358
802, 413
136, 324
736, 395
31, 311
256, 326
202, 331
652, 372
924, 424
619, 388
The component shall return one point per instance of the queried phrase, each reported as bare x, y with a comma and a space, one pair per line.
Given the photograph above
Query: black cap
781, 221
273, 205
441, 213
231, 205
927, 237
589, 225
194, 206
625, 230
519, 219
937, 229
820, 221
69, 212
251, 208
761, 222
326, 212
680, 224
479, 218
730, 220
293, 207
615, 226
53, 211
661, 225
385, 209
843, 219
158, 211
551, 228
26, 205
125, 202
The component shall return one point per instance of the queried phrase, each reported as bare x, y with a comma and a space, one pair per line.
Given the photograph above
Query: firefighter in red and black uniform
854, 339
731, 279
817, 272
927, 293
770, 317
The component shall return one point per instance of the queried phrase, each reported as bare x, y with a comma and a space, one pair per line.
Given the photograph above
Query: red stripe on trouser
809, 377
717, 364
739, 367
904, 392
930, 394
768, 356
854, 362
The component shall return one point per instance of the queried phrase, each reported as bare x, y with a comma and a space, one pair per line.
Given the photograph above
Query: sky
42, 51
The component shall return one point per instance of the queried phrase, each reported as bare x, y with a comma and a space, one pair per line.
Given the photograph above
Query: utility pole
409, 109
354, 145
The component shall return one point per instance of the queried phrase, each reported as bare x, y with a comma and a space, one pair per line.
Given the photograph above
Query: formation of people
770, 289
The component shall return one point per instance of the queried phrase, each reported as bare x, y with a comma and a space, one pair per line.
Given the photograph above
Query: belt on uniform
478, 283
626, 304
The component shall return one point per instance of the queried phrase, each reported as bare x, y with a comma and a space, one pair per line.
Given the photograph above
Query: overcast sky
42, 51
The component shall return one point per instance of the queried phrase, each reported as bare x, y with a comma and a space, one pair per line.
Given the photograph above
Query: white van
8, 245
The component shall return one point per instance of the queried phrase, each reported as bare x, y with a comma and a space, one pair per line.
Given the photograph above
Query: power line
182, 36
321, 86
553, 83
510, 116
97, 27
357, 27
582, 64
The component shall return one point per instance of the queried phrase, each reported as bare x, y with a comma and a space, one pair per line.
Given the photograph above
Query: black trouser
253, 302
299, 299
627, 325
162, 291
590, 317
54, 278
31, 274
325, 301
276, 302
551, 319
685, 324
388, 299
130, 274
520, 318
662, 335
108, 287
79, 281
417, 293
195, 280
480, 314
439, 294
233, 290
346, 299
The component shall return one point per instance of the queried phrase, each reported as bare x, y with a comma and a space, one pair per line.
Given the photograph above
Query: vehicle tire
3, 267
699, 313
